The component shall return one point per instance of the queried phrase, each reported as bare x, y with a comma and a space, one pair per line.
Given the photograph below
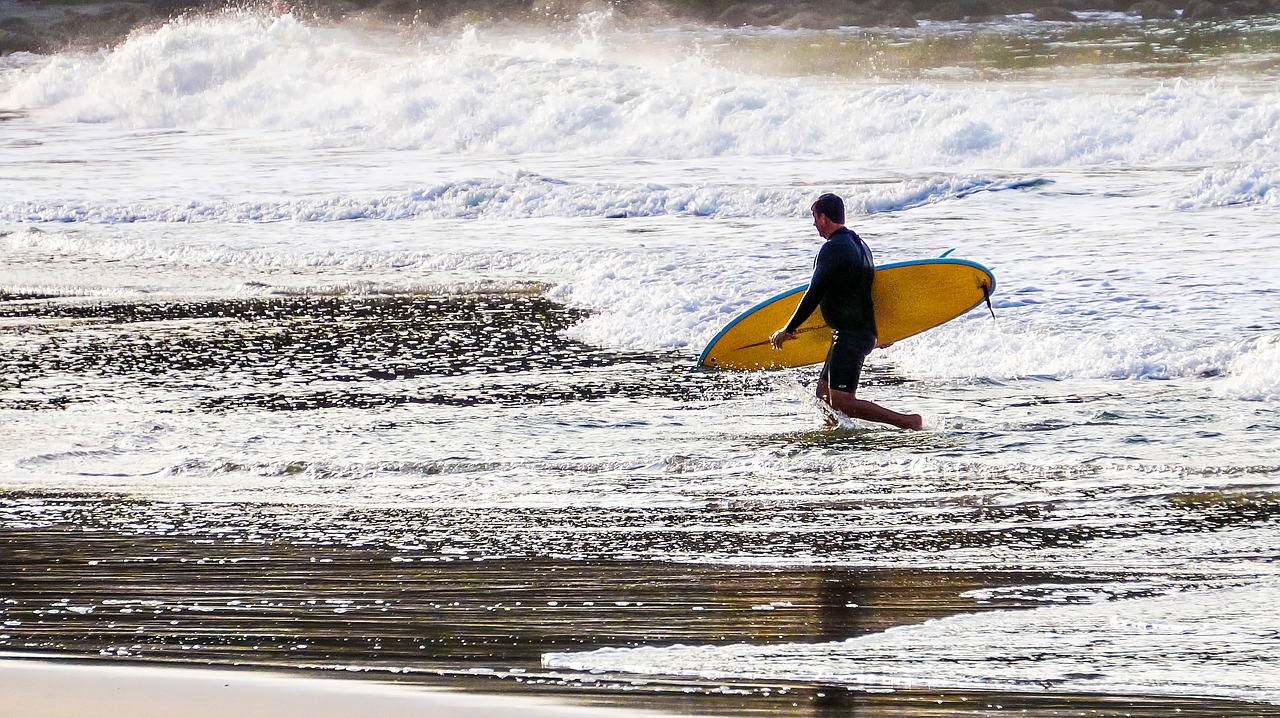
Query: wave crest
604, 91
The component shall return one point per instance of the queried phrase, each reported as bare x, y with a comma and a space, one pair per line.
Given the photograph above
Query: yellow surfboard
909, 297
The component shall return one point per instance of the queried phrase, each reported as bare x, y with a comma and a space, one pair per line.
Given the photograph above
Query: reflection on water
131, 594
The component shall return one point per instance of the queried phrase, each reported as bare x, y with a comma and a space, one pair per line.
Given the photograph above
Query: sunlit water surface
344, 347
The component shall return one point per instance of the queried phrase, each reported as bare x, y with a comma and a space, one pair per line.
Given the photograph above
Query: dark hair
832, 206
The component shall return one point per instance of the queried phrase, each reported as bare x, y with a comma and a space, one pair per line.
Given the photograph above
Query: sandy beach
58, 689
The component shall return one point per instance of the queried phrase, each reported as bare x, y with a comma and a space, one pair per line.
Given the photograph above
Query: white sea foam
1242, 185
1217, 642
1099, 282
981, 347
1255, 374
521, 196
666, 294
487, 93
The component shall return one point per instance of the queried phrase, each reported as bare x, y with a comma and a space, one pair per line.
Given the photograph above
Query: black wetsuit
841, 285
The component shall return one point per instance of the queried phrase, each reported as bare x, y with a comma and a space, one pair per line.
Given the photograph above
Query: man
841, 285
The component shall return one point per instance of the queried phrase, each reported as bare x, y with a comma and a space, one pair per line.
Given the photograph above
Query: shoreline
92, 606
42, 686
39, 687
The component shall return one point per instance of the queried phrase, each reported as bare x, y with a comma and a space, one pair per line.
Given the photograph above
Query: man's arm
809, 302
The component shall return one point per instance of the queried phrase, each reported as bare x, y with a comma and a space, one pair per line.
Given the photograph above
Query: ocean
369, 349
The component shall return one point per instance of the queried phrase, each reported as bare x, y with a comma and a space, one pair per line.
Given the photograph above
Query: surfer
841, 285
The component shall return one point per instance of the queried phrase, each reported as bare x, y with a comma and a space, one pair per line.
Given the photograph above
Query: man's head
828, 214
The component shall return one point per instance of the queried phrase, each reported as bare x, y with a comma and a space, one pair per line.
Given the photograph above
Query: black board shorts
844, 361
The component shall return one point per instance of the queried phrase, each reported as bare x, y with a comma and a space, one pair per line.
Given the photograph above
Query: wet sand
47, 689
129, 600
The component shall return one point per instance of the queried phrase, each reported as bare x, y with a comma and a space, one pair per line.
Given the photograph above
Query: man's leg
846, 403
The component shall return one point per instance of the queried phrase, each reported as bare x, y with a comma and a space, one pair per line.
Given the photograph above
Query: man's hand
780, 336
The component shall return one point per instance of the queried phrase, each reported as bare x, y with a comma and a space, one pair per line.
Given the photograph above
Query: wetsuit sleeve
814, 294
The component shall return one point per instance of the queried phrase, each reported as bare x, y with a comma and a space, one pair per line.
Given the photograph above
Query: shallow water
348, 348
138, 585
